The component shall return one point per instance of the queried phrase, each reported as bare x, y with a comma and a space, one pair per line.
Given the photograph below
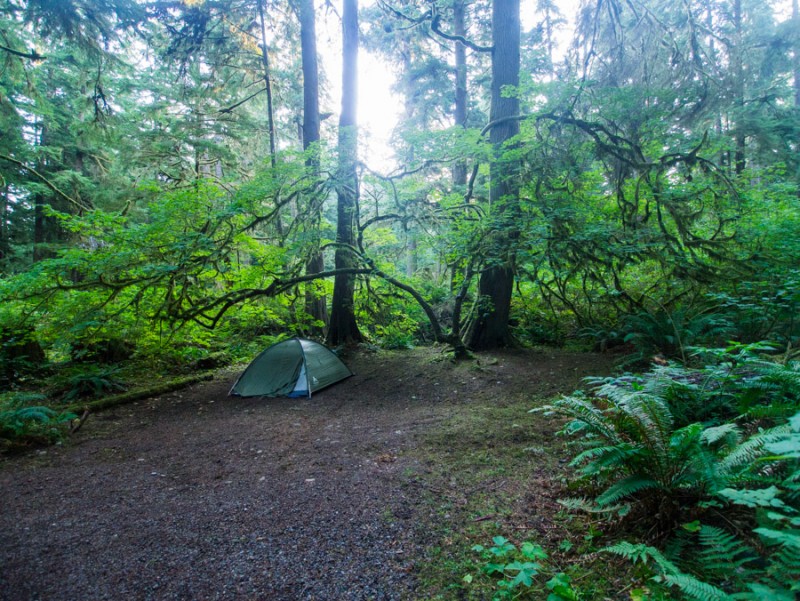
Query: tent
293, 368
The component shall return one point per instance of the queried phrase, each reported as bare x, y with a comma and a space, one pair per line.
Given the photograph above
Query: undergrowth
26, 421
702, 466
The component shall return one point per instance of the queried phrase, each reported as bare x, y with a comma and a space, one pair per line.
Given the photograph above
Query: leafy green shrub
102, 350
23, 424
716, 565
633, 451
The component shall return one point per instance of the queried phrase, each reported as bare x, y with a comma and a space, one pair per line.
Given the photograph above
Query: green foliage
644, 462
514, 571
92, 381
23, 423
635, 449
711, 563
671, 332
668, 573
764, 309
20, 353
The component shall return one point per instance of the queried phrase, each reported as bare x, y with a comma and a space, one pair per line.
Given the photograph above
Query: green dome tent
293, 368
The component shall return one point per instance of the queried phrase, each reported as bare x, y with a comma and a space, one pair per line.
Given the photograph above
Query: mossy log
138, 395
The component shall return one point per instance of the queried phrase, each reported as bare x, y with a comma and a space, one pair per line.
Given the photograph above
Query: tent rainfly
293, 368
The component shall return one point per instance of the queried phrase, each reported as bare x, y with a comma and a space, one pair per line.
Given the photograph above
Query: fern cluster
738, 468
22, 424
671, 333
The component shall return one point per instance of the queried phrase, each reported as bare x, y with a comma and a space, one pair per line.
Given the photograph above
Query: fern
600, 459
694, 588
726, 434
626, 488
669, 574
22, 425
721, 553
638, 453
586, 506
745, 454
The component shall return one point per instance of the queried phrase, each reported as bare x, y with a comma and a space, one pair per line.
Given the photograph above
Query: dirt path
195, 495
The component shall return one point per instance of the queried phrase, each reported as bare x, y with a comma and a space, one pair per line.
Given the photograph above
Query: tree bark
316, 303
267, 82
5, 238
489, 327
737, 61
47, 230
343, 326
796, 53
460, 113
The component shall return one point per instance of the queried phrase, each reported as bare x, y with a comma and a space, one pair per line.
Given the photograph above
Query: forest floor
373, 489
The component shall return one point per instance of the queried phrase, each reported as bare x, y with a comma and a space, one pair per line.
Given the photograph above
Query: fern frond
600, 459
640, 552
590, 418
728, 434
784, 569
694, 588
747, 452
586, 506
762, 592
626, 488
722, 552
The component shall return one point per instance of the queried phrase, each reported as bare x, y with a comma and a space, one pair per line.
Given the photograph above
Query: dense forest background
170, 180
180, 186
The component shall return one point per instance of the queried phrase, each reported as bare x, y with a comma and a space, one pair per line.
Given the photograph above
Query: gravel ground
195, 495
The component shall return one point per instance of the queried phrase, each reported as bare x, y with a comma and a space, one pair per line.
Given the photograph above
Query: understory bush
25, 421
705, 461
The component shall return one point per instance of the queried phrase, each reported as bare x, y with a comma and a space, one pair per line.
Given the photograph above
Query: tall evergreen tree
489, 328
316, 303
343, 326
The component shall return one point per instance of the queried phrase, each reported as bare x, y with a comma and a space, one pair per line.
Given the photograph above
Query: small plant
740, 470
515, 569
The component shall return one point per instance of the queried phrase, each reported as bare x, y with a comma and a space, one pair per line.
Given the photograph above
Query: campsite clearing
357, 493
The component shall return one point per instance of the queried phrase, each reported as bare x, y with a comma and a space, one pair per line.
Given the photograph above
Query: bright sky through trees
379, 108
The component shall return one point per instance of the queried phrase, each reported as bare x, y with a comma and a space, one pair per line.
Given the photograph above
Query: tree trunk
47, 230
737, 61
5, 238
316, 303
267, 82
411, 251
489, 327
343, 327
796, 53
460, 115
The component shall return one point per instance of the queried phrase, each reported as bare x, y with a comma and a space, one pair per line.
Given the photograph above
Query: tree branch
32, 55
457, 38
47, 182
229, 109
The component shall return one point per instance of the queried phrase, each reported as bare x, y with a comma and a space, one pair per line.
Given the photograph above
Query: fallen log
138, 395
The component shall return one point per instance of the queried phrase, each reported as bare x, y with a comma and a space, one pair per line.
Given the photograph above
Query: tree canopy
180, 168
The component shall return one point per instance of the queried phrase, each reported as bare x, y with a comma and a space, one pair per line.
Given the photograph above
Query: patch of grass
483, 475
